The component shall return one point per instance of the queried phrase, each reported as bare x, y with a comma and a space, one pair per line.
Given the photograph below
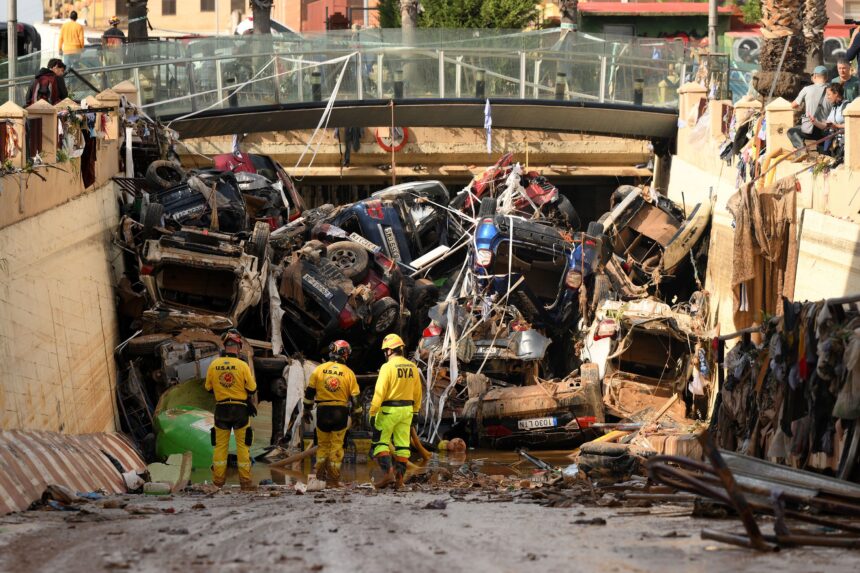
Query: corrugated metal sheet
30, 461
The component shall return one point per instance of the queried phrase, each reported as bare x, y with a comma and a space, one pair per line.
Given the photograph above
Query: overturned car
203, 279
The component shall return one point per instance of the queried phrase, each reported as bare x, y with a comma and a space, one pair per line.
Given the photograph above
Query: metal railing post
359, 76
536, 89
441, 74
300, 79
379, 75
522, 75
219, 83
137, 84
458, 77
276, 79
602, 92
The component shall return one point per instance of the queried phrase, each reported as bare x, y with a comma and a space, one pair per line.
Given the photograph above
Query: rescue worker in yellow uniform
334, 389
394, 410
230, 379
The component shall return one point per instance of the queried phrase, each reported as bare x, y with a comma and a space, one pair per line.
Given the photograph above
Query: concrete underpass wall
58, 327
828, 216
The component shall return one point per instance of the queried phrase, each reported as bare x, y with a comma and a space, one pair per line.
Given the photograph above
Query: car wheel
488, 208
164, 174
600, 292
352, 259
258, 244
145, 345
565, 208
385, 314
152, 218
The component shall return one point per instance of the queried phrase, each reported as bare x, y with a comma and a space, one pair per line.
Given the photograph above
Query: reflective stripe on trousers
392, 426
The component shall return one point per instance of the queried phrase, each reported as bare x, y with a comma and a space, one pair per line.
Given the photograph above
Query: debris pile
530, 330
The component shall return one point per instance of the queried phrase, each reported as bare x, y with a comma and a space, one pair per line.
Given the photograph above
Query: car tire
566, 210
164, 174
385, 315
151, 217
258, 244
351, 258
488, 208
600, 292
270, 366
145, 345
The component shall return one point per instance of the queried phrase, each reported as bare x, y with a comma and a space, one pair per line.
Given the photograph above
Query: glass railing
182, 76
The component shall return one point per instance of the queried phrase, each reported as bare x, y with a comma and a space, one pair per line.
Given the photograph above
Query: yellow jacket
331, 384
399, 380
71, 38
230, 379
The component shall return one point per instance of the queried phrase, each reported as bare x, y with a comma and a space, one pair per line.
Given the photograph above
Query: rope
324, 118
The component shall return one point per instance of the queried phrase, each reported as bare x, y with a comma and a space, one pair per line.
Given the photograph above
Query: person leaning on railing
816, 107
835, 119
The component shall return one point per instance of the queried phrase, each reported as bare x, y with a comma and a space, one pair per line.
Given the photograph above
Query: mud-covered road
361, 530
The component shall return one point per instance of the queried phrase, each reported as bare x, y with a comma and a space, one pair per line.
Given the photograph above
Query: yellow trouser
219, 456
330, 448
393, 425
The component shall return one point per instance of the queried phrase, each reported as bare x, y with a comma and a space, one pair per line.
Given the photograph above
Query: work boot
247, 485
332, 476
219, 483
399, 473
321, 469
388, 476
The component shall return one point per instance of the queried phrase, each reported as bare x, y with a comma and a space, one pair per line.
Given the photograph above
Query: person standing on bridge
394, 410
48, 84
71, 42
230, 379
332, 387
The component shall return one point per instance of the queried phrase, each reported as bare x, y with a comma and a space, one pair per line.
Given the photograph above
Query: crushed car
645, 352
651, 236
409, 222
198, 278
552, 413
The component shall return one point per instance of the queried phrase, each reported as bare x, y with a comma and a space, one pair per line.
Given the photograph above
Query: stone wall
828, 204
58, 327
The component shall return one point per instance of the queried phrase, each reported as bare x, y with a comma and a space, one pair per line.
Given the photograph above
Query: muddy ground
359, 529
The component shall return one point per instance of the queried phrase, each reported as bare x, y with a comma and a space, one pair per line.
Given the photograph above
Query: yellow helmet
392, 342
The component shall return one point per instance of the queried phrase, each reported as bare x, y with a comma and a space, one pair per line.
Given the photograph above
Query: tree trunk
782, 21
814, 20
569, 9
138, 31
262, 11
408, 24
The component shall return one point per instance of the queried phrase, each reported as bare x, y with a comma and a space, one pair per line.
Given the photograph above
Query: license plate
536, 423
317, 286
370, 246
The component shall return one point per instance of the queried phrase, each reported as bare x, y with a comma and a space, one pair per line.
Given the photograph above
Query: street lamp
316, 85
398, 83
638, 91
479, 84
560, 85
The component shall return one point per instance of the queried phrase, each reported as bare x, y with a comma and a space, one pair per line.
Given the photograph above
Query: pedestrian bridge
545, 80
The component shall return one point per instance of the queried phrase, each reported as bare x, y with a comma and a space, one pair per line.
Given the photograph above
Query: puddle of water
490, 462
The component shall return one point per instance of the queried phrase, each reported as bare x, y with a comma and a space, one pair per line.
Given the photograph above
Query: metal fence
186, 75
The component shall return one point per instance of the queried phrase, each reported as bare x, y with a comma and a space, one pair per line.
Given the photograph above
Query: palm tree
262, 11
782, 22
814, 20
137, 28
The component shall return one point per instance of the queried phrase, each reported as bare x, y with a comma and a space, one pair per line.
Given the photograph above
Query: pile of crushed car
531, 327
